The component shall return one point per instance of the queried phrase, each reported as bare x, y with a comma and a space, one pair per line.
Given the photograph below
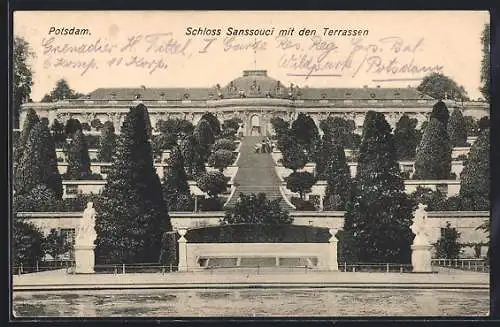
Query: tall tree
131, 212
256, 209
213, 183
61, 91
440, 87
22, 54
485, 63
440, 112
475, 177
379, 213
38, 164
304, 130
29, 122
294, 157
457, 130
57, 130
433, 158
107, 143
213, 121
280, 126
175, 186
337, 176
221, 159
193, 157
78, 157
339, 130
27, 243
301, 182
406, 137
448, 246
205, 137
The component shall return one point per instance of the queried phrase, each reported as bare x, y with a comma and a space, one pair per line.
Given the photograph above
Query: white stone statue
419, 226
85, 233
421, 249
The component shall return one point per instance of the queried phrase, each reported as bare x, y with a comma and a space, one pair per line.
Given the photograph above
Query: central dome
255, 83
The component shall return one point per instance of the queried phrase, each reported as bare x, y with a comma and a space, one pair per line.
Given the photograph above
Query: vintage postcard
250, 164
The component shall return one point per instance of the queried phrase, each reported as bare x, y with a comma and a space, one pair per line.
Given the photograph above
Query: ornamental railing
476, 265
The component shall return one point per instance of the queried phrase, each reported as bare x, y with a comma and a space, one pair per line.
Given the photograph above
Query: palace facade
253, 97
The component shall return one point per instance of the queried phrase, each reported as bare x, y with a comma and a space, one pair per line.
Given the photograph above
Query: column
183, 266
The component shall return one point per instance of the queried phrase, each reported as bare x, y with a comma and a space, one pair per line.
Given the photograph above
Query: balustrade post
387, 266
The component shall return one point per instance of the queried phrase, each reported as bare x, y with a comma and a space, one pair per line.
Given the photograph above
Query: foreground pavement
60, 280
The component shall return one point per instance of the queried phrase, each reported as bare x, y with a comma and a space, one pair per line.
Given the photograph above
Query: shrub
213, 183
448, 247
27, 243
256, 209
38, 199
224, 144
302, 205
259, 233
221, 159
300, 182
210, 204
471, 126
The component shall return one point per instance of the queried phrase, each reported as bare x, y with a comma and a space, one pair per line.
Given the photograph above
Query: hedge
258, 233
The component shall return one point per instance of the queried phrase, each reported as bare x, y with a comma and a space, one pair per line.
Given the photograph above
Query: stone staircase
256, 173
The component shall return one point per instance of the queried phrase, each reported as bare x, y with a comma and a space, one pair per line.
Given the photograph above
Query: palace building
253, 97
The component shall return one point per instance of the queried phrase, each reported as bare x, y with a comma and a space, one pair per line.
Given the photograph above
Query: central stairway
256, 173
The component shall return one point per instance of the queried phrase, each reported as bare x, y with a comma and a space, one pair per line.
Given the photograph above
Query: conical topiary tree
433, 158
305, 132
475, 177
406, 138
131, 212
337, 175
379, 213
440, 112
213, 121
457, 130
38, 164
57, 130
78, 157
107, 143
205, 137
175, 186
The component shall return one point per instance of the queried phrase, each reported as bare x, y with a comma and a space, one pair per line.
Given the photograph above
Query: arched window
255, 121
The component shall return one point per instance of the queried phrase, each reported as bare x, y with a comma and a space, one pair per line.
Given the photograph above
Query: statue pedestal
421, 258
84, 259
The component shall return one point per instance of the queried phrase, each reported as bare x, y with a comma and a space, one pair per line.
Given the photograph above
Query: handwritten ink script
390, 56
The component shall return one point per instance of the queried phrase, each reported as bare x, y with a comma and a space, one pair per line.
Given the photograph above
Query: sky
151, 49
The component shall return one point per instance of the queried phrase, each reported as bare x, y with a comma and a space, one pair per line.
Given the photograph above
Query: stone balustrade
466, 222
